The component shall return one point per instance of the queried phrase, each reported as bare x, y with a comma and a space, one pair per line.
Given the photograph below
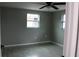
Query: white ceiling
31, 6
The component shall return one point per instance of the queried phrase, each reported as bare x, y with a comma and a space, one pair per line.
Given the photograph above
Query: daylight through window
64, 20
33, 20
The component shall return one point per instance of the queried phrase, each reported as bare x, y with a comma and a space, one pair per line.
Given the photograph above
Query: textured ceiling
31, 6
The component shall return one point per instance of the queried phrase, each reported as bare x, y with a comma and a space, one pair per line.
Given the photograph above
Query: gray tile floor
40, 50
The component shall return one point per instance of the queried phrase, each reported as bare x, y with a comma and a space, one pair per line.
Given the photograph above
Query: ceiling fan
52, 4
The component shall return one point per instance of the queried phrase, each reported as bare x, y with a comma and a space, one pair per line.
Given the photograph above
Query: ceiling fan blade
59, 3
43, 6
48, 3
54, 7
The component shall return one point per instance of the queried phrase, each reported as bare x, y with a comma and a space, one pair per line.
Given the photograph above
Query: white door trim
70, 34
77, 50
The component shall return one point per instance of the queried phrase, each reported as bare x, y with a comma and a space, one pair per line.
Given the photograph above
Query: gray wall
57, 30
14, 30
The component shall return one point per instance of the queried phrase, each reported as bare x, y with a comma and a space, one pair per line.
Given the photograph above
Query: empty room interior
32, 29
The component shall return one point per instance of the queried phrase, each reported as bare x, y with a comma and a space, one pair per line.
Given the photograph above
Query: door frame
0, 32
77, 49
70, 33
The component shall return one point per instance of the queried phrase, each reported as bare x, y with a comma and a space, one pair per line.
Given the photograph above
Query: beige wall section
0, 31
70, 38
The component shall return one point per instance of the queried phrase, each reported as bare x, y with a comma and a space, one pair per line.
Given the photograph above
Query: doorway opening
33, 31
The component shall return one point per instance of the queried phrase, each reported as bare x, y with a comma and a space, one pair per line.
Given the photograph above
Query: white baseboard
27, 44
61, 45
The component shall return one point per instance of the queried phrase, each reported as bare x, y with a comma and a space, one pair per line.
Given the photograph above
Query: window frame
32, 20
63, 21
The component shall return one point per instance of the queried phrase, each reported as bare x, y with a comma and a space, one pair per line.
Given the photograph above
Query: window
33, 20
63, 21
